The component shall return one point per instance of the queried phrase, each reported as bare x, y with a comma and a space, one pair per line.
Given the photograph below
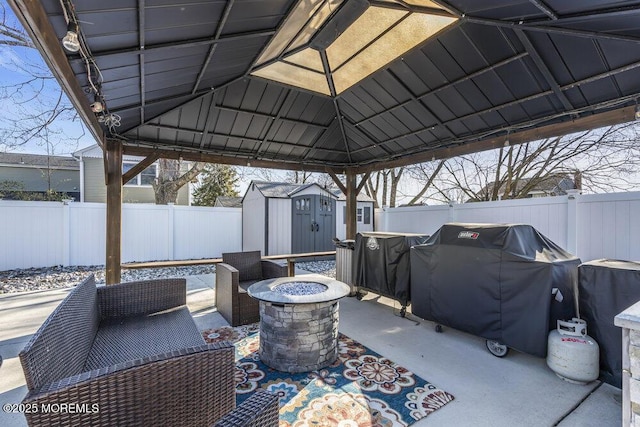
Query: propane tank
572, 354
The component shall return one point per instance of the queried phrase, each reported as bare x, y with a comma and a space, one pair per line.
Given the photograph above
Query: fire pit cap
305, 289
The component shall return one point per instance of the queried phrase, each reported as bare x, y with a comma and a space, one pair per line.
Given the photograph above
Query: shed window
303, 204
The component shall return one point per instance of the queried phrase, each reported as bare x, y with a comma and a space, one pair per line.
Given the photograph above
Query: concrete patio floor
516, 390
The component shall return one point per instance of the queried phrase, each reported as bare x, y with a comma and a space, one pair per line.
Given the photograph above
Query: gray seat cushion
244, 286
133, 338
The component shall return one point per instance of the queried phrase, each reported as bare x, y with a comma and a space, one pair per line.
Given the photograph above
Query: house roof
95, 152
187, 79
229, 202
557, 184
38, 161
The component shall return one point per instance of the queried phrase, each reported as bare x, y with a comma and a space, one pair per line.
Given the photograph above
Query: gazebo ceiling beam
180, 44
525, 99
283, 99
416, 101
544, 69
593, 14
238, 137
544, 8
522, 25
446, 86
141, 27
270, 116
208, 120
214, 46
176, 152
462, 147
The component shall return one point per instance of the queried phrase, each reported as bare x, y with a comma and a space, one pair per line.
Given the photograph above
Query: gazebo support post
113, 177
351, 196
351, 192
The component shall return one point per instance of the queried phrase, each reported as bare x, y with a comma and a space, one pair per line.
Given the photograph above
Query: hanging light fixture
70, 41
97, 106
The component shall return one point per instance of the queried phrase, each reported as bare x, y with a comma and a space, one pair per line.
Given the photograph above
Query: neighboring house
553, 185
36, 173
138, 190
282, 218
228, 202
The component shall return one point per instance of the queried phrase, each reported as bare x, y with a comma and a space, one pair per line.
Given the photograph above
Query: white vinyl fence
592, 226
42, 234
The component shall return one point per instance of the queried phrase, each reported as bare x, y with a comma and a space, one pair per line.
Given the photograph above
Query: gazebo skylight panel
327, 46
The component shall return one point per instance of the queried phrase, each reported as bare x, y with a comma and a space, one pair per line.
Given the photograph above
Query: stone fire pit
299, 321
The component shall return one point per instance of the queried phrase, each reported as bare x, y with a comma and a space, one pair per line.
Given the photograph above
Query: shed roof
281, 190
187, 78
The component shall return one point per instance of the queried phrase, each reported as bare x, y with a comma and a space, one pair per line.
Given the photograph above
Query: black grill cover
607, 288
494, 281
381, 262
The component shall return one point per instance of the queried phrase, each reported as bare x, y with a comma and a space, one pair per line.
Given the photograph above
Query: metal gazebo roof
183, 78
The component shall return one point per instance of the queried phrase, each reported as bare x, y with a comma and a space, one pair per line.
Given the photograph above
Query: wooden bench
291, 261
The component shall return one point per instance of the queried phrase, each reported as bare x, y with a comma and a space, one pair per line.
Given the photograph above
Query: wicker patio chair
129, 355
260, 410
234, 275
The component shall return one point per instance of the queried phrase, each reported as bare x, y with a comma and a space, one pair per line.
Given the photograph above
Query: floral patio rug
362, 388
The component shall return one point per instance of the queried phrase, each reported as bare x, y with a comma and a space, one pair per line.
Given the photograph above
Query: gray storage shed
283, 218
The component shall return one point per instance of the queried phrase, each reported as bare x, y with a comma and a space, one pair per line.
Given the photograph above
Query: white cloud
10, 61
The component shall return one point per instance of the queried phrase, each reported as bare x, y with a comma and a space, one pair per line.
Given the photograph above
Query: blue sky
17, 64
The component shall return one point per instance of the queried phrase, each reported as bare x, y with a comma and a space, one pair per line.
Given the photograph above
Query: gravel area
39, 279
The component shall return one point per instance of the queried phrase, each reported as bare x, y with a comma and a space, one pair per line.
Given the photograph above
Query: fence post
572, 221
386, 219
66, 233
172, 226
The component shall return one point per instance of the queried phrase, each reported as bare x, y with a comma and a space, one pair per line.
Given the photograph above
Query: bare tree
382, 186
171, 177
600, 160
41, 112
35, 108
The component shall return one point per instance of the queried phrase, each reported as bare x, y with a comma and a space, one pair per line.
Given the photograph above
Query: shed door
313, 224
302, 233
326, 228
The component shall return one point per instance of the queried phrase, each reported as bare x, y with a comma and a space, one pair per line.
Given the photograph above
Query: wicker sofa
131, 354
234, 275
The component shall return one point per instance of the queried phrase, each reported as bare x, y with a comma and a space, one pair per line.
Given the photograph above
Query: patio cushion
244, 286
120, 341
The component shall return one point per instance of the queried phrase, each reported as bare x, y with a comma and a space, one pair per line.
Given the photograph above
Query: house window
144, 178
359, 215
